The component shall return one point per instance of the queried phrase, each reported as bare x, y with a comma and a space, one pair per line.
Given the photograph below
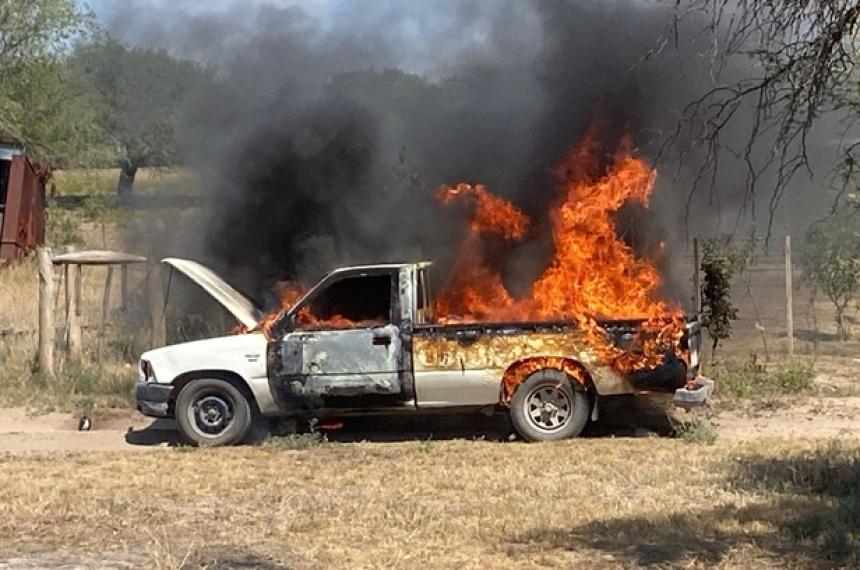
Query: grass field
102, 182
697, 501
458, 504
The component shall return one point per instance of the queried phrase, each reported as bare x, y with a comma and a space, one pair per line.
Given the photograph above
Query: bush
747, 381
699, 431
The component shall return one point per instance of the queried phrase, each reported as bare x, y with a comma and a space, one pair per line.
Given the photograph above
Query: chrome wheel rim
548, 408
212, 414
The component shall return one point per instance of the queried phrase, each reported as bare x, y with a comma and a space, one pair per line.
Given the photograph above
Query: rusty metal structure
22, 202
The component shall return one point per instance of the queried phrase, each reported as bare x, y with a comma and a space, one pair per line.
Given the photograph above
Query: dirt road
113, 430
121, 430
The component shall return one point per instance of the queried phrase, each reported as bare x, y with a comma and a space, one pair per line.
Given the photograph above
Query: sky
105, 8
427, 35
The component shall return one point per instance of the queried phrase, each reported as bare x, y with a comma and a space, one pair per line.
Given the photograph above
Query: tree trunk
126, 182
841, 328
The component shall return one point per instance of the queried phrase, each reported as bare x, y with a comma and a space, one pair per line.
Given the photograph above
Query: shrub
747, 381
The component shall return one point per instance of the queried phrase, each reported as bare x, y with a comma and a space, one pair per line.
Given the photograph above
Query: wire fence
760, 294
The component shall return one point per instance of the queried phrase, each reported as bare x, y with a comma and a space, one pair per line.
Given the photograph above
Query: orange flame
592, 274
492, 214
290, 293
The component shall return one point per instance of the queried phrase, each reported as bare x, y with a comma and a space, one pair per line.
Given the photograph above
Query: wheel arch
226, 375
519, 370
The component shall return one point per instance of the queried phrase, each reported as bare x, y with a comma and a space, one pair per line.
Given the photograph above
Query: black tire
212, 412
563, 414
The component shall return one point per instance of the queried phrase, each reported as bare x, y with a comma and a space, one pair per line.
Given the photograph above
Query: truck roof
383, 266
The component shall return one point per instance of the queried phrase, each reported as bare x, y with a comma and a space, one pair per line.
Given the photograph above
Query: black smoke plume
328, 133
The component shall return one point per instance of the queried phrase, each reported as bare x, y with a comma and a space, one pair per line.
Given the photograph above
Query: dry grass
584, 503
79, 387
102, 182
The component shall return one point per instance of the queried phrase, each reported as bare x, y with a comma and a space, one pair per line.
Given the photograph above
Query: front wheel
547, 407
213, 412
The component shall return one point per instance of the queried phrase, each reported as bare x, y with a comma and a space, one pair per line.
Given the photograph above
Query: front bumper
153, 399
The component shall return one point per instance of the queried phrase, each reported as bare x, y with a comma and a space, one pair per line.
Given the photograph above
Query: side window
353, 302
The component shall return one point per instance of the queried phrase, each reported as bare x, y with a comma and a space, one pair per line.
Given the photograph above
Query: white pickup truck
391, 358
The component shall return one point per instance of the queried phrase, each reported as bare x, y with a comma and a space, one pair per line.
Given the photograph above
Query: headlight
146, 373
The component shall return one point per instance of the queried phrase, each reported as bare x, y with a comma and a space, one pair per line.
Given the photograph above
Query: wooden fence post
155, 294
46, 312
73, 310
789, 311
105, 308
123, 276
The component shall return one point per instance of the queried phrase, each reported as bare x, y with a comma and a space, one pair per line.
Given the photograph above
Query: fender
243, 355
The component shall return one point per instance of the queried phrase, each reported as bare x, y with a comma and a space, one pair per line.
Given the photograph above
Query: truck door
346, 338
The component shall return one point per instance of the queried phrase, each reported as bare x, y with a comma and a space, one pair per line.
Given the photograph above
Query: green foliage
40, 104
831, 262
720, 262
699, 431
99, 208
299, 441
140, 95
37, 29
749, 381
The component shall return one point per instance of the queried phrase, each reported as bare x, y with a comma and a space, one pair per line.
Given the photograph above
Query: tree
33, 29
140, 94
831, 261
720, 263
39, 103
801, 65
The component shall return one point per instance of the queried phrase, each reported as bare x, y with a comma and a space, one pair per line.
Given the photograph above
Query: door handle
381, 340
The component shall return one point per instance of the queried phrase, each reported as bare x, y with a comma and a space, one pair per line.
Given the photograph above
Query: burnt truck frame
393, 358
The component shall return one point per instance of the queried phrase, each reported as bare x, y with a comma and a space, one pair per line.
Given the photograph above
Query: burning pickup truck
382, 351
370, 340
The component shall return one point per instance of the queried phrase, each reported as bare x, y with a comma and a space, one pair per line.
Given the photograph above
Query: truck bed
496, 344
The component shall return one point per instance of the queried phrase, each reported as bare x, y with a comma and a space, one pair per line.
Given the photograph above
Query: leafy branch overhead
778, 67
40, 105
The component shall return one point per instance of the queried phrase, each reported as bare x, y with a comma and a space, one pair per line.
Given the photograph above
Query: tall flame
592, 274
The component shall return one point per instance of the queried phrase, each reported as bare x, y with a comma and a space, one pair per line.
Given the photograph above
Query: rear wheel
213, 412
547, 407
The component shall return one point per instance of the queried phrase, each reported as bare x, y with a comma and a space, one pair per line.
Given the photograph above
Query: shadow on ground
623, 416
814, 336
618, 417
801, 511
159, 432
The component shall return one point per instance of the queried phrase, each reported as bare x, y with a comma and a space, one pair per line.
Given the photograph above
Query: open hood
239, 305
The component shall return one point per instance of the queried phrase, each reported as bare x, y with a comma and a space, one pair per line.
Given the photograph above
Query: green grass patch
699, 431
748, 381
295, 441
103, 182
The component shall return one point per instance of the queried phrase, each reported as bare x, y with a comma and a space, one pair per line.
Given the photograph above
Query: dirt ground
743, 420
437, 491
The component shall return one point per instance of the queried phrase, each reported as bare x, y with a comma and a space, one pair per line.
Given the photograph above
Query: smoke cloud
331, 126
